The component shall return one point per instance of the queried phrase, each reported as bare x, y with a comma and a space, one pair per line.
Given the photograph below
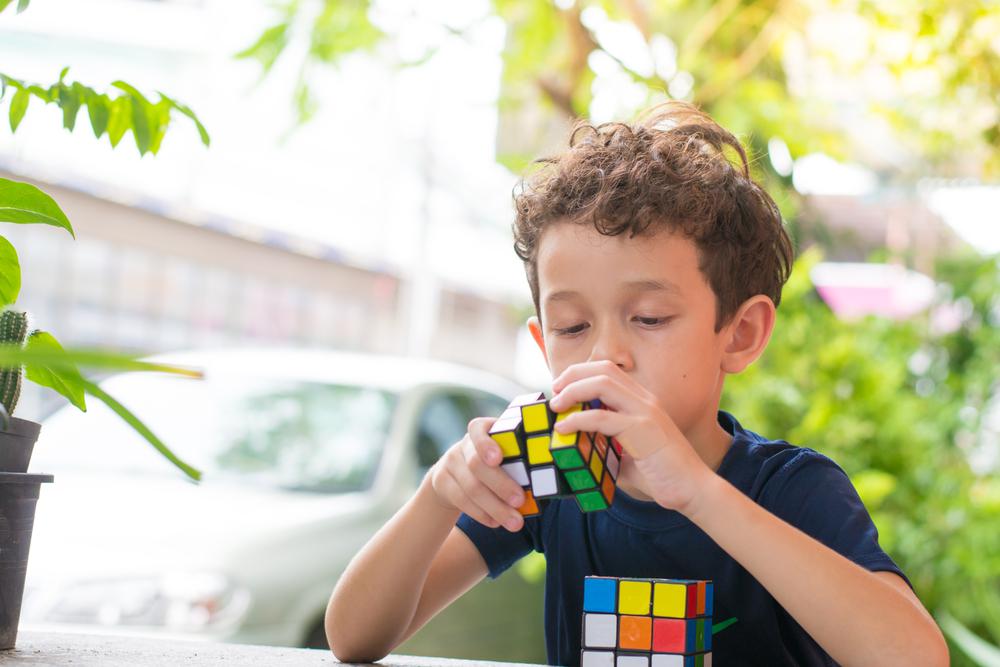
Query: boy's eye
651, 321
571, 331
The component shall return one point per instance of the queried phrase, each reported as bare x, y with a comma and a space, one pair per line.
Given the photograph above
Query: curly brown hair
669, 170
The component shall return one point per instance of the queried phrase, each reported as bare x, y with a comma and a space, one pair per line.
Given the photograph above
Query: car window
445, 418
278, 433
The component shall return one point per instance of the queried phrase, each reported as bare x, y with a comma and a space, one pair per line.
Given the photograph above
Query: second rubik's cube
549, 464
646, 623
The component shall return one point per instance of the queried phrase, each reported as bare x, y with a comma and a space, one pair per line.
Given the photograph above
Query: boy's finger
608, 422
457, 497
495, 479
608, 390
486, 447
485, 498
582, 370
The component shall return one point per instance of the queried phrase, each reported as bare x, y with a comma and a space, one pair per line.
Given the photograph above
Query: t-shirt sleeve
814, 494
499, 547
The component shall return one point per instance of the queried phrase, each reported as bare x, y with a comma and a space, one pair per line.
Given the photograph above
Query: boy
655, 266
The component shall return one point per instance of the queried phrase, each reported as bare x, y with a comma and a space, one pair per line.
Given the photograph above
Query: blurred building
382, 225
851, 227
140, 280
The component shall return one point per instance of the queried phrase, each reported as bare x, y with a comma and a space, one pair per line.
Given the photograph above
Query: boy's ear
748, 333
535, 327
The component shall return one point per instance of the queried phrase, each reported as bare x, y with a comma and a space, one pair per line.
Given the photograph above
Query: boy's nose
611, 345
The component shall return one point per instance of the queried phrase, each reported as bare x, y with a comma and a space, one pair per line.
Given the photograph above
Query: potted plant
18, 490
31, 354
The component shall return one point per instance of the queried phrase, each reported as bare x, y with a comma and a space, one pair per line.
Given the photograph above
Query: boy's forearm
375, 599
858, 618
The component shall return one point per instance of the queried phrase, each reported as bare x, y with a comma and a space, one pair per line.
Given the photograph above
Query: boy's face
641, 303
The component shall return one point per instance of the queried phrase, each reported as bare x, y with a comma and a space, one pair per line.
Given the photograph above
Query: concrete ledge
45, 649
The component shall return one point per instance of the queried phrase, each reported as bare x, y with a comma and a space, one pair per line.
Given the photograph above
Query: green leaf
202, 132
268, 46
4, 3
119, 120
159, 120
70, 98
18, 105
131, 111
64, 379
141, 429
41, 93
143, 117
342, 28
14, 355
99, 110
10, 273
23, 203
141, 130
305, 102
22, 5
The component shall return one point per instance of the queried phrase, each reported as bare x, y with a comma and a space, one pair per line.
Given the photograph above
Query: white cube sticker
667, 660
612, 464
517, 472
598, 659
543, 482
633, 661
600, 630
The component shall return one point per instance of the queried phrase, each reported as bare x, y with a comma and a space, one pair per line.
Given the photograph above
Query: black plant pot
16, 444
18, 495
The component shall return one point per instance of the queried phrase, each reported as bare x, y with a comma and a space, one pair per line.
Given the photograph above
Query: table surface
54, 649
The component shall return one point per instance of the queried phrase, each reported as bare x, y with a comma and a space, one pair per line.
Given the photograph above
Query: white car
305, 454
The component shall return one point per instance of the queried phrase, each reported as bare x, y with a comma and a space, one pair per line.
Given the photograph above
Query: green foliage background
899, 408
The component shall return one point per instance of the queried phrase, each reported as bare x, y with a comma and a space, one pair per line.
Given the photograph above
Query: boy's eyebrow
651, 286
631, 286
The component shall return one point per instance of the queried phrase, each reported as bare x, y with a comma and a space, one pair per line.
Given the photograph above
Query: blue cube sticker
599, 594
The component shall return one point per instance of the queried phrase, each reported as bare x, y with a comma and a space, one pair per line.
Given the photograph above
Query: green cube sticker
567, 457
580, 479
591, 501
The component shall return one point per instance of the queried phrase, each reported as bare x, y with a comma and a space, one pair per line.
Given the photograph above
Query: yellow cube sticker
564, 439
538, 449
670, 600
535, 417
596, 466
633, 597
508, 443
568, 411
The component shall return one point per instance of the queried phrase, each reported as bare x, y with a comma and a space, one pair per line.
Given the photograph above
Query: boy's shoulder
807, 489
766, 469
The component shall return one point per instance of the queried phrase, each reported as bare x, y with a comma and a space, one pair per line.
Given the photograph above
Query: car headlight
178, 602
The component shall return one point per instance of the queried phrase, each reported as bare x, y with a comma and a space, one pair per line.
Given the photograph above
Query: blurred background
356, 198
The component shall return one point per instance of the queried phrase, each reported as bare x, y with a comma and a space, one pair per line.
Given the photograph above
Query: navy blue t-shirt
635, 538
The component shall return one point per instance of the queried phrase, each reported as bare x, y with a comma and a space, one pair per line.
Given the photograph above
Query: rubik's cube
549, 464
646, 623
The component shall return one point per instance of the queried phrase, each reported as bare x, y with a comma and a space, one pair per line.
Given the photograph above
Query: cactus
13, 331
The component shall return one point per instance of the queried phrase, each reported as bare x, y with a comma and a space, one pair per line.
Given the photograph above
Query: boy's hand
661, 452
469, 478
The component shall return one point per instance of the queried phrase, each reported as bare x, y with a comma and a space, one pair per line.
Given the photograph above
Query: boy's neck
708, 438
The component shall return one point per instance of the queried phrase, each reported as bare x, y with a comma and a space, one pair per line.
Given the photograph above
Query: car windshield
279, 433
